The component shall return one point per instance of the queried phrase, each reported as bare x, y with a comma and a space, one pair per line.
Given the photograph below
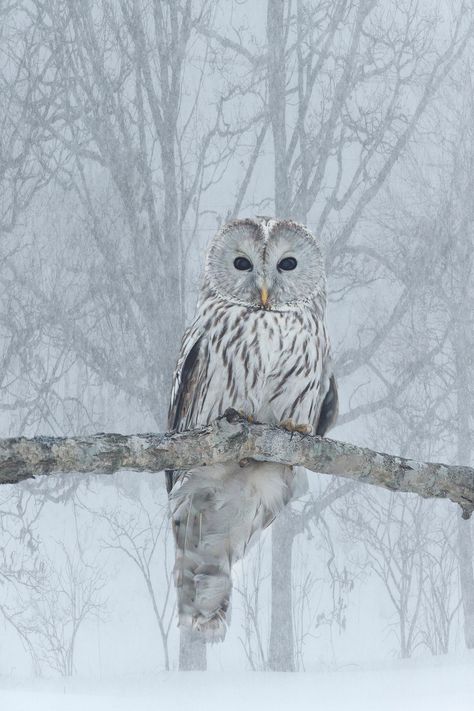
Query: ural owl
259, 345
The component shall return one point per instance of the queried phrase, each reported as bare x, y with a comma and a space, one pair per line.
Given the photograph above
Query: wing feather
186, 385
329, 409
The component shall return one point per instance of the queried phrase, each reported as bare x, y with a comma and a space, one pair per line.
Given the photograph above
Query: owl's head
266, 263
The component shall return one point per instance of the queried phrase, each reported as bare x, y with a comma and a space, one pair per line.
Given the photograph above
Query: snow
437, 684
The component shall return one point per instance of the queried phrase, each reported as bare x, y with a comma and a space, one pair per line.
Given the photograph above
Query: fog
130, 132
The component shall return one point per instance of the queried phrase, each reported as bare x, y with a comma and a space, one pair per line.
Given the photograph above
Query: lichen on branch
232, 438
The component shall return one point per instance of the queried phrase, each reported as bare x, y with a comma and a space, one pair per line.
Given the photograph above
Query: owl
258, 344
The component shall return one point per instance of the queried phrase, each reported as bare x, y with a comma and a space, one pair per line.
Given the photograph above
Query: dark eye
242, 263
287, 264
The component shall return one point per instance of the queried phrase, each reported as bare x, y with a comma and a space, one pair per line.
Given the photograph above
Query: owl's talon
249, 418
304, 428
292, 426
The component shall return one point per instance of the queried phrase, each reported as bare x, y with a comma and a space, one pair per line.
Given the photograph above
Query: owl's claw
292, 426
249, 418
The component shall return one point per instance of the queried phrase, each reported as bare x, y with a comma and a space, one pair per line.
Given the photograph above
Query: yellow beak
264, 295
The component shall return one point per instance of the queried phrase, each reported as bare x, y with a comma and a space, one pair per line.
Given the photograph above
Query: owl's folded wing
329, 409
187, 382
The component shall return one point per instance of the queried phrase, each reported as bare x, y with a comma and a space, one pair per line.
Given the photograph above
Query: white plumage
258, 344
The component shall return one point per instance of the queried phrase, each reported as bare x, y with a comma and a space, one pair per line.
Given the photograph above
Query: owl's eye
243, 264
287, 264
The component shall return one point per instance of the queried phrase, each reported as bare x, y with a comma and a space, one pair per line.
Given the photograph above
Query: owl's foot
292, 426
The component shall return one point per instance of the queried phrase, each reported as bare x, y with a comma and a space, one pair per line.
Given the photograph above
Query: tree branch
232, 438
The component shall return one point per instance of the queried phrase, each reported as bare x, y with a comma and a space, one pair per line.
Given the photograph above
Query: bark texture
232, 438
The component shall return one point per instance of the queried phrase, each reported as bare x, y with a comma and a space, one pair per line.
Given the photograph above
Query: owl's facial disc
274, 268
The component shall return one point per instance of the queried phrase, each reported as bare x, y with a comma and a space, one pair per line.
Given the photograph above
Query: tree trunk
276, 41
192, 652
281, 651
281, 655
466, 575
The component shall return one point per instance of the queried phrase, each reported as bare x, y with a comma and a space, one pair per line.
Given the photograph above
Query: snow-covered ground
438, 684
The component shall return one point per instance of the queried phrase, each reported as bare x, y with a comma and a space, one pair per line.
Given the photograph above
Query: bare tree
440, 401
380, 122
441, 593
26, 147
250, 590
21, 567
70, 595
139, 531
394, 535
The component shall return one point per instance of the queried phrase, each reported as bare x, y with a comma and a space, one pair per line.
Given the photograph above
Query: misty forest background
130, 131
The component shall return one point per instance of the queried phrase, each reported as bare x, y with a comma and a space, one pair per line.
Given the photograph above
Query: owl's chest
258, 341
260, 359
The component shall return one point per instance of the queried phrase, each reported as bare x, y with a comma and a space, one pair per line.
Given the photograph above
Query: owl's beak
264, 295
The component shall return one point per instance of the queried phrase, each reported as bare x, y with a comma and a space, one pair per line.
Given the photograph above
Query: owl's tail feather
217, 514
203, 598
202, 570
